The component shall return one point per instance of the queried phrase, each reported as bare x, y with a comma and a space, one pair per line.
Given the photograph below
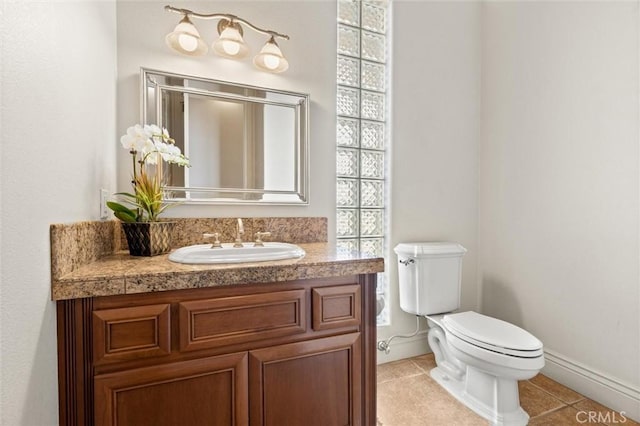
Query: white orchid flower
160, 146
150, 142
174, 150
147, 147
152, 130
134, 139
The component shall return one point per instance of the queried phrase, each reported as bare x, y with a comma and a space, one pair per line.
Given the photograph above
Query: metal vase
148, 238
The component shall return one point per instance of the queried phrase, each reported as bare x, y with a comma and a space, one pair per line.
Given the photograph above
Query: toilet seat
492, 334
488, 360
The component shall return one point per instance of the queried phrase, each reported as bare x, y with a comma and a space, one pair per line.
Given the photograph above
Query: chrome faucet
238, 242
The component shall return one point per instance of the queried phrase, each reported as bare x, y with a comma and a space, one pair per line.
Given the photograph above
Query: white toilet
479, 359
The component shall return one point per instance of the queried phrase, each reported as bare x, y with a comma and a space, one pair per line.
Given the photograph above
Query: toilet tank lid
429, 249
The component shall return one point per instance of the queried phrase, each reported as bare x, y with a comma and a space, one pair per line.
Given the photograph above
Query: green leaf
125, 217
117, 207
123, 213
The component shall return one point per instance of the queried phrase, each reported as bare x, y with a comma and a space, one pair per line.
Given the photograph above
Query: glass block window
361, 134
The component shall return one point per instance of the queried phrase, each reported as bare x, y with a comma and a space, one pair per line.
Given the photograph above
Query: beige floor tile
563, 417
602, 414
561, 392
419, 401
535, 401
425, 362
397, 369
407, 396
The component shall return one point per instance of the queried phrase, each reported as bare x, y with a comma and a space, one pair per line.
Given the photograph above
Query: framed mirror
245, 144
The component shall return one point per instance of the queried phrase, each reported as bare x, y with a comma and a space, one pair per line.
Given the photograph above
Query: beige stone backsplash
76, 244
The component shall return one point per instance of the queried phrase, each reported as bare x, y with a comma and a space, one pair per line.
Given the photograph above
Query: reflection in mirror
246, 144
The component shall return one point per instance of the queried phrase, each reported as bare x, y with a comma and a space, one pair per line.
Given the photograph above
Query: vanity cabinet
298, 353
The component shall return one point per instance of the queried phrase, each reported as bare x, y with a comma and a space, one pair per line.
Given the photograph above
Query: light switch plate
104, 210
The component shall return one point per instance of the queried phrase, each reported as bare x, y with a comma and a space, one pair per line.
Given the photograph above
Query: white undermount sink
204, 253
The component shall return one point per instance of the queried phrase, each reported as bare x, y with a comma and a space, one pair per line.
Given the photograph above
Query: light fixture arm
227, 17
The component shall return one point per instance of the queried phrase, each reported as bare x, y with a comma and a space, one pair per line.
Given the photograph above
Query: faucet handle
216, 242
259, 236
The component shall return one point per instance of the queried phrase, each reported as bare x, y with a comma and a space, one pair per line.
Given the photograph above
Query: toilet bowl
488, 372
479, 359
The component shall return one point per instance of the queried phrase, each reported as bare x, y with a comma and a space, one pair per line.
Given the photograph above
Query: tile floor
408, 396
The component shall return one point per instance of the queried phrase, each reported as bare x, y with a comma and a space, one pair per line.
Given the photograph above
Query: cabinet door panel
224, 321
211, 391
312, 383
336, 307
130, 333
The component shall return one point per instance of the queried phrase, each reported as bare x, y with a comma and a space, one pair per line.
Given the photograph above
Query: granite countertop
120, 273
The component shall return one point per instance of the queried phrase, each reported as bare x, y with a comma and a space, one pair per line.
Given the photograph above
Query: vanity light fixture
186, 39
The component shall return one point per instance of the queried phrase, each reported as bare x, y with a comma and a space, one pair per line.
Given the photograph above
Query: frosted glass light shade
185, 39
230, 44
271, 58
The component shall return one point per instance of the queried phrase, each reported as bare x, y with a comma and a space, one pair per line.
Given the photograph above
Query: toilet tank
429, 276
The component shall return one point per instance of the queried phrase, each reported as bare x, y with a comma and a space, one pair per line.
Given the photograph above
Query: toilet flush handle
407, 262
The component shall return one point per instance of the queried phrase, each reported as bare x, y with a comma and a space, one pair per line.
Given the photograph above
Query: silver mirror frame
298, 196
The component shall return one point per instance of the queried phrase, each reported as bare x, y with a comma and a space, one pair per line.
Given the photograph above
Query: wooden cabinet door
311, 383
206, 391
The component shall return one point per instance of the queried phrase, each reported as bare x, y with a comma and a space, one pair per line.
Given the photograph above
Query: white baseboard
609, 391
408, 347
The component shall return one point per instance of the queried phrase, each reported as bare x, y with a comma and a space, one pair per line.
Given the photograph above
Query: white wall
435, 91
311, 51
559, 181
58, 130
